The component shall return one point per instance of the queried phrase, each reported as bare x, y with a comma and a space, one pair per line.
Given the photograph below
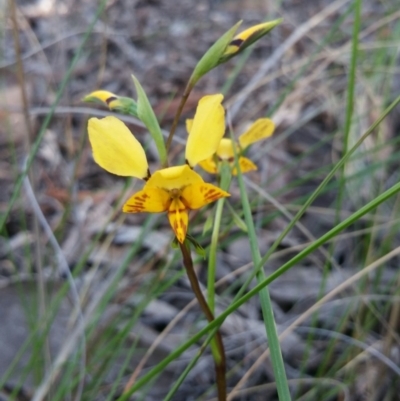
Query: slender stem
184, 98
220, 364
212, 259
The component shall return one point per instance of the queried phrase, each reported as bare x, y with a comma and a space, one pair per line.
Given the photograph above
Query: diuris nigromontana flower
246, 38
260, 129
120, 104
174, 190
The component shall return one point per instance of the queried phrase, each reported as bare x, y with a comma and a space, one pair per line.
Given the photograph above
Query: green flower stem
219, 358
265, 299
225, 182
184, 98
272, 277
212, 259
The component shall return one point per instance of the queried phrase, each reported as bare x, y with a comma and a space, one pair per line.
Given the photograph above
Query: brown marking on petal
184, 201
236, 42
148, 175
180, 230
176, 210
211, 194
175, 193
183, 225
110, 99
175, 228
183, 229
134, 209
214, 198
142, 198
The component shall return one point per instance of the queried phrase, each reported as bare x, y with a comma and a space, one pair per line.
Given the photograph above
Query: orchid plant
178, 189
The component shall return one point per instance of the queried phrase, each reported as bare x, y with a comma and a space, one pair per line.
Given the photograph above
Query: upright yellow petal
179, 219
209, 165
207, 130
151, 200
225, 149
189, 125
116, 149
175, 177
198, 195
245, 164
262, 128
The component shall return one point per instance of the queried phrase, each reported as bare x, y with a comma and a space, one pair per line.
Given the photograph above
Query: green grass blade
265, 299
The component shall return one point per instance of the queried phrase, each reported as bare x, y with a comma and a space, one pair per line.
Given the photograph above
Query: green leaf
197, 247
208, 224
175, 243
237, 219
147, 116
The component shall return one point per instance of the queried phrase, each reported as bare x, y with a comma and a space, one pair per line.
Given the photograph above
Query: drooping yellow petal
207, 130
209, 165
189, 125
120, 104
225, 149
151, 200
173, 178
245, 165
198, 195
262, 128
100, 95
116, 149
179, 219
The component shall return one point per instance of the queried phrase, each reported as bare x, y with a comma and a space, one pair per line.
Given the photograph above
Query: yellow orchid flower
174, 190
262, 128
247, 37
121, 104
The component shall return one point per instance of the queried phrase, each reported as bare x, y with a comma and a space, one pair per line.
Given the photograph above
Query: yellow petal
225, 149
249, 36
116, 149
173, 178
207, 130
189, 125
151, 200
198, 195
101, 95
262, 128
178, 218
245, 165
209, 165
